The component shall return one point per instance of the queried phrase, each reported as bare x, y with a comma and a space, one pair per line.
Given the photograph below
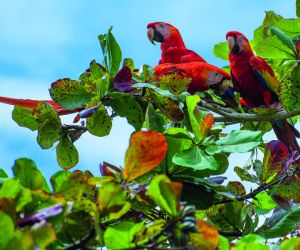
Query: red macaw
257, 84
200, 75
28, 103
173, 49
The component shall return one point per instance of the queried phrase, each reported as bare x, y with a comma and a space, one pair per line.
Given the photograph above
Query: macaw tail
287, 133
28, 103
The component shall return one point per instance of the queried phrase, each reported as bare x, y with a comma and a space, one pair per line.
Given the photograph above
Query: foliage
169, 193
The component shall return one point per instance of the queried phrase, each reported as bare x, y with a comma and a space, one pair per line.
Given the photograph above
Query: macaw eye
162, 25
241, 38
216, 73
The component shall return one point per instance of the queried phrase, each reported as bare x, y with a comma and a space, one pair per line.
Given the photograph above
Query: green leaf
221, 50
112, 200
280, 223
284, 38
58, 179
3, 173
66, 153
43, 235
128, 62
50, 127
111, 52
223, 243
244, 174
69, 94
165, 193
197, 159
22, 240
7, 229
250, 242
290, 27
298, 8
154, 120
125, 105
238, 141
122, 235
290, 244
26, 171
23, 117
263, 203
99, 124
191, 102
273, 48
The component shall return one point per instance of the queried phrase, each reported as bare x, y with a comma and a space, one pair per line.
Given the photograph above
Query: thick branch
228, 116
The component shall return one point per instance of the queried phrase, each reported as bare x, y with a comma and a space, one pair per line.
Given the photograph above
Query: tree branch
227, 115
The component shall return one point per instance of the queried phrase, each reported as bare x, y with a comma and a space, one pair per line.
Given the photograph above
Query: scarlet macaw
257, 84
28, 103
173, 49
200, 76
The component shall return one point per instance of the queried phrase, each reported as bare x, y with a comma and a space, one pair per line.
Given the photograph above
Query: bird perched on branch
173, 49
255, 80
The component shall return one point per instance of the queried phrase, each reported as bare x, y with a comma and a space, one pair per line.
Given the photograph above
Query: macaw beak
233, 45
221, 87
154, 35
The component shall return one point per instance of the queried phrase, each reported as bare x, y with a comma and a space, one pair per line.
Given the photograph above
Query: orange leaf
206, 124
207, 238
146, 150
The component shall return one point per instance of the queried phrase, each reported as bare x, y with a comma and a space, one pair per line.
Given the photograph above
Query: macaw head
237, 43
164, 33
217, 79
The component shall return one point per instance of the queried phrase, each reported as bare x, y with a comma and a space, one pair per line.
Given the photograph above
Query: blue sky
42, 41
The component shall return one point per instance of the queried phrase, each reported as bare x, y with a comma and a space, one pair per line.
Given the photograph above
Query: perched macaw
173, 49
28, 103
198, 76
257, 84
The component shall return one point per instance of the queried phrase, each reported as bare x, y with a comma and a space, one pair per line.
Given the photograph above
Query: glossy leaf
165, 194
69, 94
126, 105
250, 242
23, 117
263, 203
99, 124
30, 177
238, 141
146, 150
191, 102
197, 159
122, 235
58, 179
66, 153
290, 244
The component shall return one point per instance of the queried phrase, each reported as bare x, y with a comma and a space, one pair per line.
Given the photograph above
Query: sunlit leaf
238, 141
146, 150
58, 179
43, 234
191, 102
221, 50
122, 235
250, 242
290, 244
263, 203
165, 193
